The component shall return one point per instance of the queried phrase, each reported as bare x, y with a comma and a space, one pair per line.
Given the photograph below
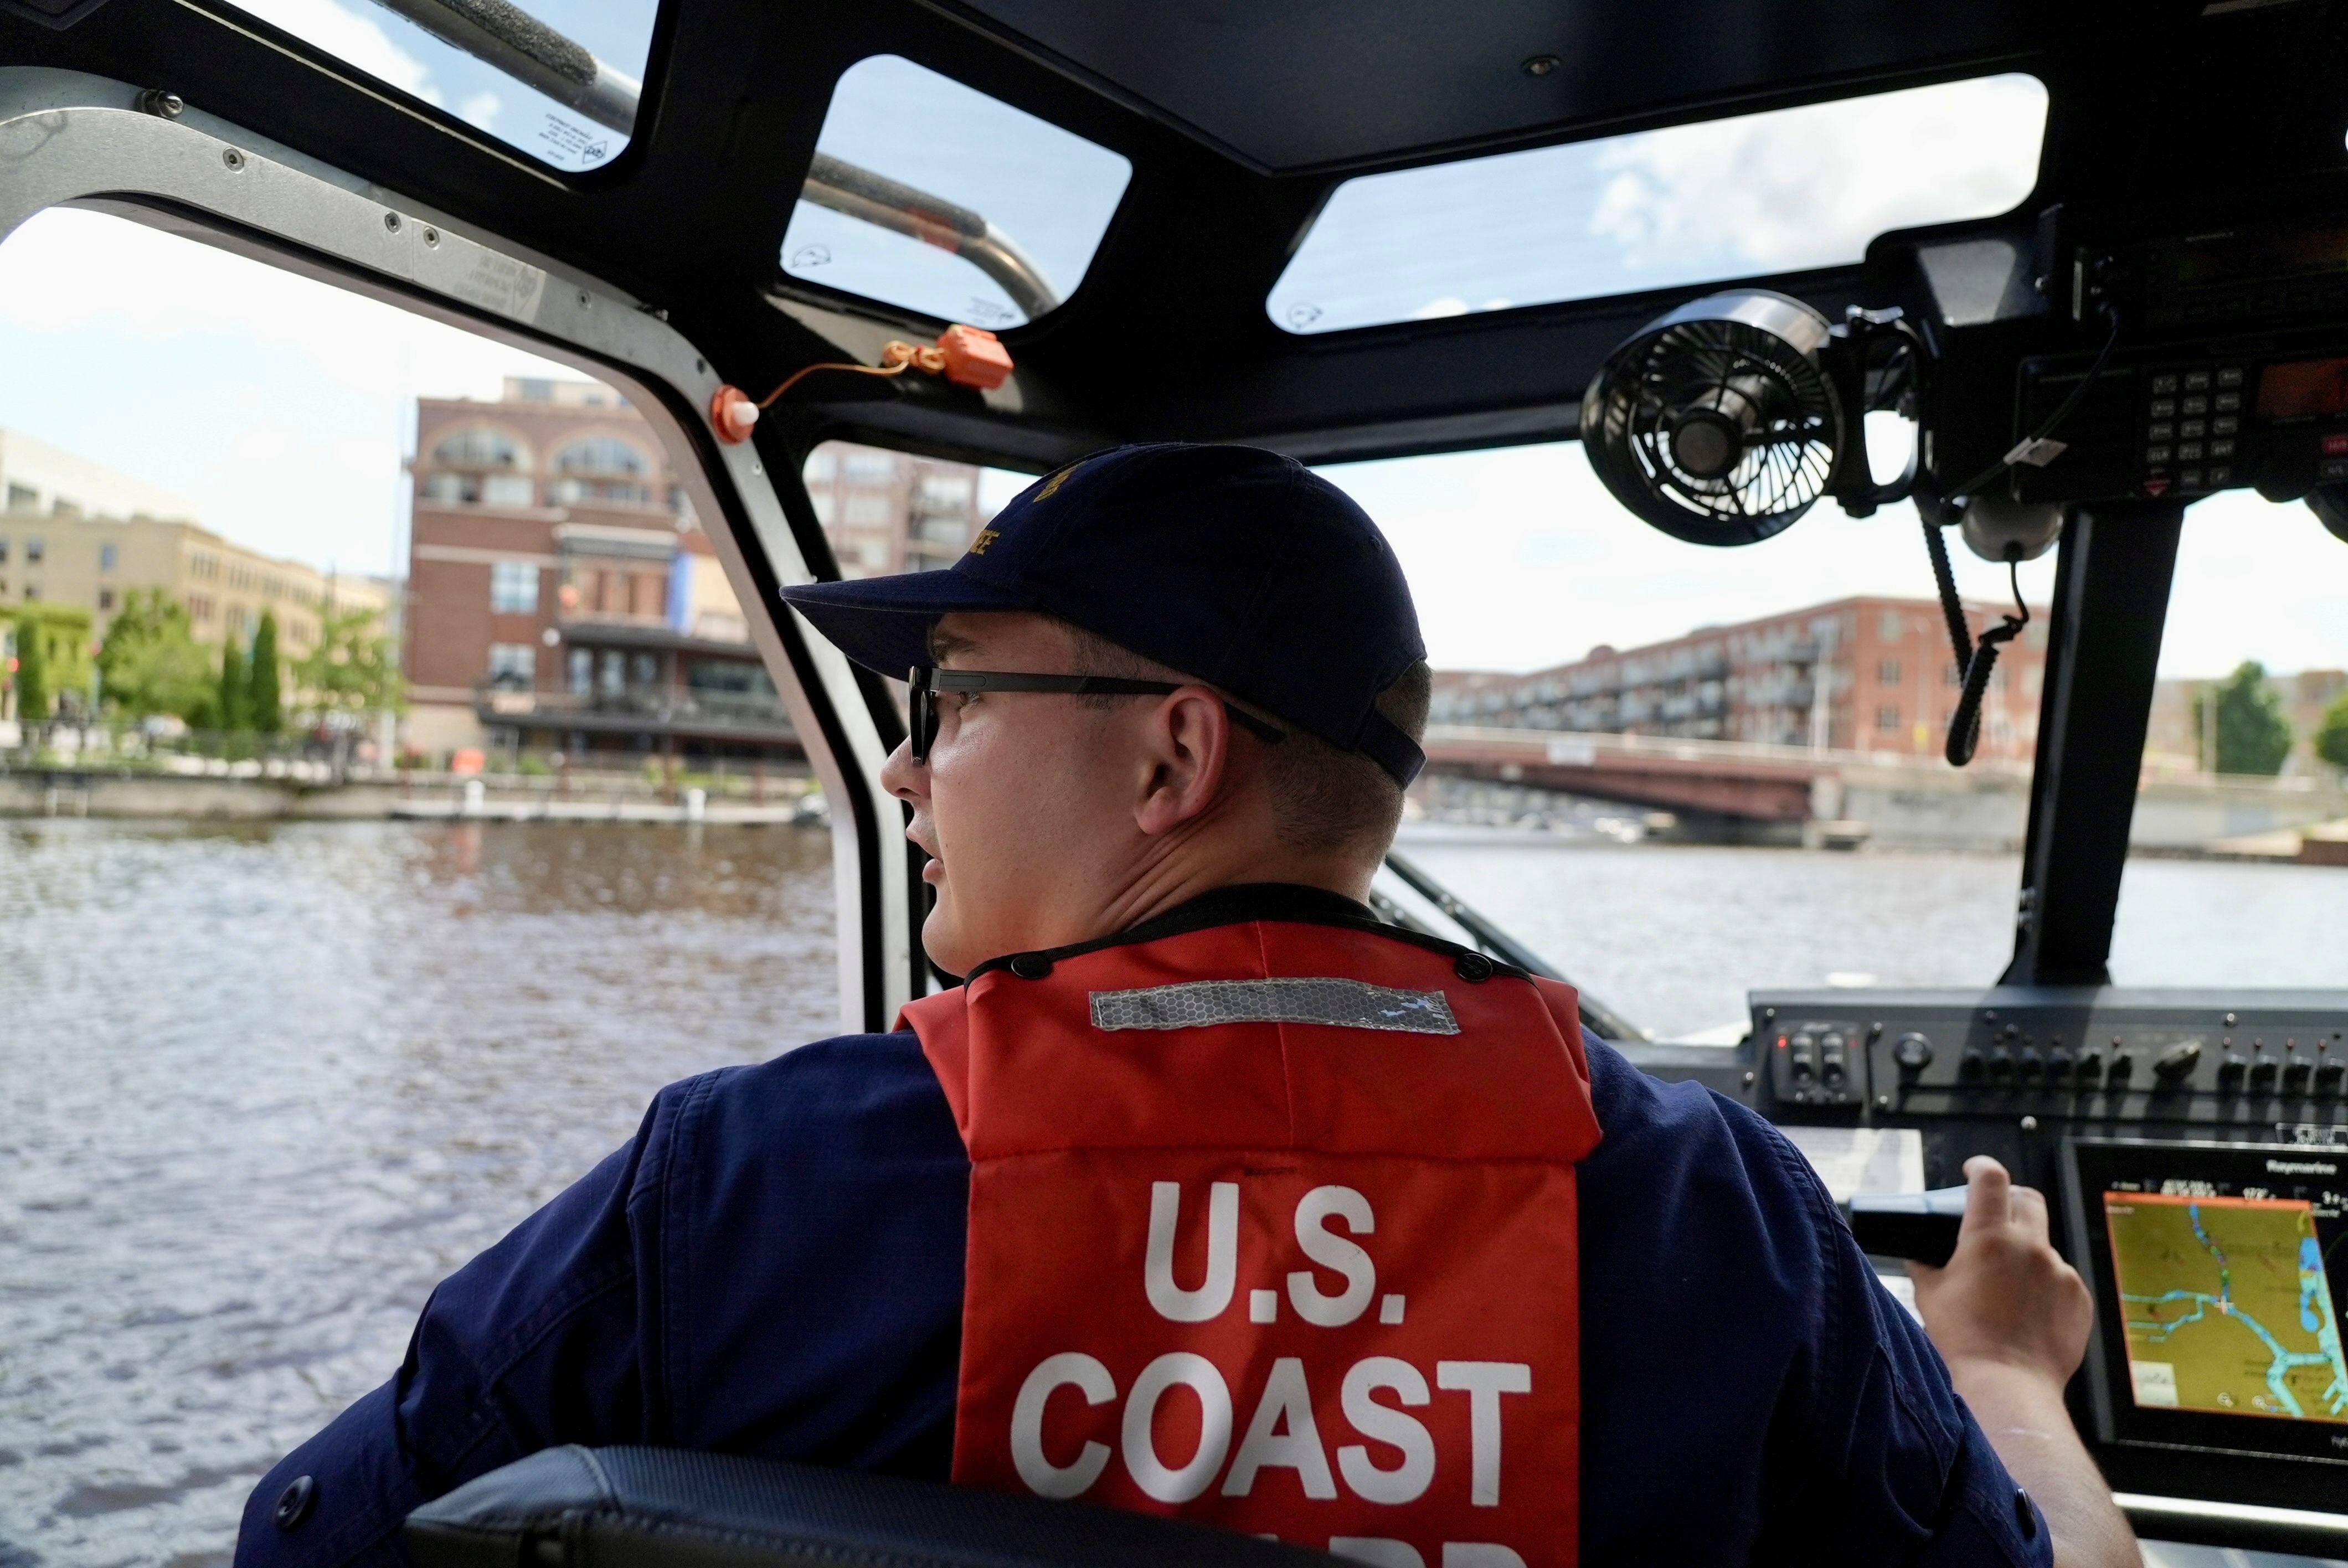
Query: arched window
480, 447
601, 469
600, 455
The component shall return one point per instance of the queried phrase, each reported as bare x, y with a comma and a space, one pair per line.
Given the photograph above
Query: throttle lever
1919, 1226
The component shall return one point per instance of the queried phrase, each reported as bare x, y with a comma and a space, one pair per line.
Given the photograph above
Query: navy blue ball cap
1238, 567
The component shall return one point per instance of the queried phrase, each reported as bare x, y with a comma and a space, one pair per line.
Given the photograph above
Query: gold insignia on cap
985, 537
1055, 481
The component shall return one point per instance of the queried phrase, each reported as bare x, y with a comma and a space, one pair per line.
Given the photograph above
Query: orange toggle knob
733, 415
974, 357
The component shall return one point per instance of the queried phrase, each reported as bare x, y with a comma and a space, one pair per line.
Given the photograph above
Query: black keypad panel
2192, 416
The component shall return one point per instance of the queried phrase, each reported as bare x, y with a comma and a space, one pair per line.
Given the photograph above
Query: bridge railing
1568, 748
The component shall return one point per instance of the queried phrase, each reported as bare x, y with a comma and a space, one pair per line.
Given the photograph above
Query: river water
261, 1087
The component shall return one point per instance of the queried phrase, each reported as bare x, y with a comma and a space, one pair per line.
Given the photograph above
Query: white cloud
480, 109
1811, 185
350, 35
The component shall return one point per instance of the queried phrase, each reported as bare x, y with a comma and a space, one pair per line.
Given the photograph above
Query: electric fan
1724, 421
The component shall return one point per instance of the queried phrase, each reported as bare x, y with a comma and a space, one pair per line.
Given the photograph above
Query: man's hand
2012, 1319
2006, 1297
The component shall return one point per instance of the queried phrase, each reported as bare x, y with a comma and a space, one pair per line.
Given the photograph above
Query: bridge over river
1743, 792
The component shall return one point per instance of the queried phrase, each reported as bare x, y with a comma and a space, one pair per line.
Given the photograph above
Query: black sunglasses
927, 684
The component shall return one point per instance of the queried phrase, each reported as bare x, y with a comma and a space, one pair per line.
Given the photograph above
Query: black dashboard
2193, 1145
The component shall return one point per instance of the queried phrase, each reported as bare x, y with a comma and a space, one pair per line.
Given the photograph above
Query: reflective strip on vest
1272, 1226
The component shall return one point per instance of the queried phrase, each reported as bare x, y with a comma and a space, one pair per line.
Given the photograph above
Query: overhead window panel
1754, 195
932, 196
561, 80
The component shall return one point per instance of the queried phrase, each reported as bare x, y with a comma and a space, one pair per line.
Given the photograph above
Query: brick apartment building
562, 597
1856, 674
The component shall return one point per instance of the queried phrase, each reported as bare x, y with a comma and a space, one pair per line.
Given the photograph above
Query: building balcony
617, 629
683, 713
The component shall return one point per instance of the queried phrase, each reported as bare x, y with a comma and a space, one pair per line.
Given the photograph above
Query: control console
2193, 1145
2217, 1059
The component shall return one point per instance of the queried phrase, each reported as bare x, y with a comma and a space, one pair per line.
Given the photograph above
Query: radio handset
1919, 1226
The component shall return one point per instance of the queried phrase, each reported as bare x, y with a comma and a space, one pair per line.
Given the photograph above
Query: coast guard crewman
1208, 1194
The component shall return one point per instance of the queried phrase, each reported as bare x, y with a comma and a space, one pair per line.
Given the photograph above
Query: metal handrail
503, 35
857, 192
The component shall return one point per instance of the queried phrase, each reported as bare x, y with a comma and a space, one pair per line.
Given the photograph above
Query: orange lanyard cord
896, 358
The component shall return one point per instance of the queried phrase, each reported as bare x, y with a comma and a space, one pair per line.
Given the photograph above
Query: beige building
2173, 741
72, 532
887, 512
37, 477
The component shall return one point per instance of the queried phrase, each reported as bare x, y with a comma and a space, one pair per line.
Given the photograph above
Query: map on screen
2227, 1307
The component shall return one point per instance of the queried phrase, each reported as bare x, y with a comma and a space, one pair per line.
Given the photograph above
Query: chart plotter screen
2225, 1306
2220, 1273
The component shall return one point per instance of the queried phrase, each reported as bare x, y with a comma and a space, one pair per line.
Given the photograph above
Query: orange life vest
1272, 1226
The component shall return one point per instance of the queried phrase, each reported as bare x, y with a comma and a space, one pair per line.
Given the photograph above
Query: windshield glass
1681, 773
1742, 197
394, 803
2246, 761
931, 195
561, 80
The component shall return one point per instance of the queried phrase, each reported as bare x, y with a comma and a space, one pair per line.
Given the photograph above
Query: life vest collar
1287, 901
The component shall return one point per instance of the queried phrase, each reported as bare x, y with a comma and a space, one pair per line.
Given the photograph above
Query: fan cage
1793, 428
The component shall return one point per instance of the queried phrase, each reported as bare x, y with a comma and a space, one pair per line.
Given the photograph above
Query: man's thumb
1987, 1200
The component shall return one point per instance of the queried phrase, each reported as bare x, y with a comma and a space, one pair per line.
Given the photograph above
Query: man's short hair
1325, 799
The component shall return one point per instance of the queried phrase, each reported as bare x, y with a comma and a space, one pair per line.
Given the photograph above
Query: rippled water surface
1673, 936
261, 1087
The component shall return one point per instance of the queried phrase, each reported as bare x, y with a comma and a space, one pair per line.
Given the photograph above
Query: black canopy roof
1239, 119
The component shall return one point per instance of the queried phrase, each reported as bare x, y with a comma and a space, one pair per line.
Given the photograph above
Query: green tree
151, 663
31, 672
351, 671
2332, 737
2253, 732
264, 709
229, 711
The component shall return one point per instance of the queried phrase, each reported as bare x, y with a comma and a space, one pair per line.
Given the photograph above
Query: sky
282, 406
1730, 198
1052, 191
285, 407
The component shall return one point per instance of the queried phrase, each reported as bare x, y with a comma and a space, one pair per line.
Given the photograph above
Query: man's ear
1186, 754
